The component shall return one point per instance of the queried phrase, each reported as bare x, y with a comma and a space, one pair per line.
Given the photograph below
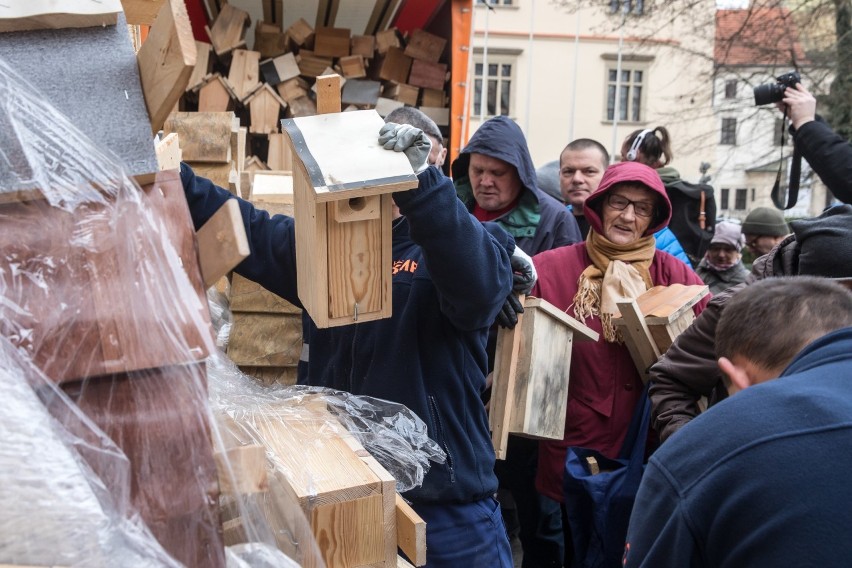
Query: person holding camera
828, 153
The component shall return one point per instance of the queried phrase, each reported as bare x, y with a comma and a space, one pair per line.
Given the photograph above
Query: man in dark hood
495, 179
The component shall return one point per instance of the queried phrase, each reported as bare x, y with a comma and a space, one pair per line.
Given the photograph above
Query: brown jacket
688, 370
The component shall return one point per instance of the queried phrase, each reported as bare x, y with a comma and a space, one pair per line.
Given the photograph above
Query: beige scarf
617, 272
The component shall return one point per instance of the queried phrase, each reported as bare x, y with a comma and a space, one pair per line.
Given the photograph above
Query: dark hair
770, 321
656, 150
581, 144
417, 119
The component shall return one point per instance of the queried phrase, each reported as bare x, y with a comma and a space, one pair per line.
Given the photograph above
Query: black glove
523, 272
508, 316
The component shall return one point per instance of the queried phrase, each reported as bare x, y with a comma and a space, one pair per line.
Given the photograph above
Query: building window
731, 89
740, 200
729, 131
779, 135
723, 199
629, 90
635, 7
499, 86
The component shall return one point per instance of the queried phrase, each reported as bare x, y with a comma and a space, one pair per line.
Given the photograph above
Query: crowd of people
717, 493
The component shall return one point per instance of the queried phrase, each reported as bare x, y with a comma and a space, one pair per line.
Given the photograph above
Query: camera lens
768, 93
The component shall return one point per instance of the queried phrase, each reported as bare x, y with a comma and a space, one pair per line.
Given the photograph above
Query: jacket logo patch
407, 265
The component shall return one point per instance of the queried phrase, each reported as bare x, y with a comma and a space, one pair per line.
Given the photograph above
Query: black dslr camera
774, 92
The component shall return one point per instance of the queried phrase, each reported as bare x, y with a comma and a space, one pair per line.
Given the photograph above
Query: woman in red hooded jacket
618, 260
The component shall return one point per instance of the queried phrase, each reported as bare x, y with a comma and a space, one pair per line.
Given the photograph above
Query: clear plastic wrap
53, 509
100, 291
394, 435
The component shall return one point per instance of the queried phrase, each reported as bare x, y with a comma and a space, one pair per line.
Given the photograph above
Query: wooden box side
541, 390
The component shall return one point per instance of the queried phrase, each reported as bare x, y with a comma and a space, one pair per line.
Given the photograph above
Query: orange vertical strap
702, 215
462, 14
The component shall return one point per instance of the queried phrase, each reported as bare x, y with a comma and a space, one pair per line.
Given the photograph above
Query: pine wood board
167, 60
204, 136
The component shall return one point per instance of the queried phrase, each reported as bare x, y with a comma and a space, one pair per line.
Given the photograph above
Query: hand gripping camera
774, 92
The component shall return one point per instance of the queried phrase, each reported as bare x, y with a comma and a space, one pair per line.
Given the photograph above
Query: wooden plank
204, 136
45, 14
228, 31
269, 40
248, 296
434, 98
542, 375
403, 92
353, 66
242, 470
581, 331
637, 337
244, 73
280, 69
428, 75
292, 89
272, 186
168, 152
265, 340
328, 94
311, 65
166, 61
425, 46
364, 45
331, 42
222, 242
219, 174
503, 384
665, 304
278, 156
202, 65
385, 106
394, 65
265, 107
141, 12
410, 532
216, 95
301, 32
239, 134
441, 116
386, 39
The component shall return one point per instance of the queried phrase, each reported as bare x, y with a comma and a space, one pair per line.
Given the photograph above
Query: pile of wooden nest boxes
137, 368
228, 122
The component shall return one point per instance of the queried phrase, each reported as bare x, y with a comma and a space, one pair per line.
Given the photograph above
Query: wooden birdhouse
529, 393
342, 181
215, 94
651, 322
265, 106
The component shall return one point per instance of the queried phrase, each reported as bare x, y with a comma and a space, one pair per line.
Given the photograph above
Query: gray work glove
508, 316
408, 139
523, 272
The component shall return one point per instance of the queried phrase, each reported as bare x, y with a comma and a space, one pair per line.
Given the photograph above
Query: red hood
628, 172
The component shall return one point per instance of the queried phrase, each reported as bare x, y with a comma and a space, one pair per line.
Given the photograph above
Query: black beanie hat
825, 243
765, 221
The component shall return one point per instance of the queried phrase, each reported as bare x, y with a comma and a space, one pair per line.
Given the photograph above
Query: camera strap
795, 176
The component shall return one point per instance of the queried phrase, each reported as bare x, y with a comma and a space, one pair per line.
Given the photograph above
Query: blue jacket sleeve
272, 262
659, 531
468, 262
667, 242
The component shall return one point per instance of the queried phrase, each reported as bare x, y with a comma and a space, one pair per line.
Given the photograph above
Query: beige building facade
554, 67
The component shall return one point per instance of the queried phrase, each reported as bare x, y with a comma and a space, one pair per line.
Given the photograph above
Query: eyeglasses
619, 202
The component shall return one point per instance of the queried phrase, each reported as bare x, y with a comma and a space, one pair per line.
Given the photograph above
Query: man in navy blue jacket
761, 478
451, 275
